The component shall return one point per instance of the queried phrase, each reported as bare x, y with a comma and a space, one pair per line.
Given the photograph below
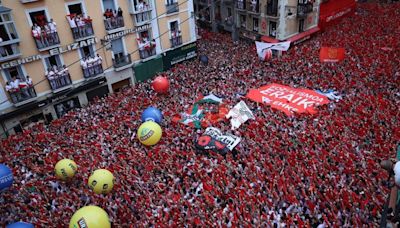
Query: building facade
56, 55
267, 20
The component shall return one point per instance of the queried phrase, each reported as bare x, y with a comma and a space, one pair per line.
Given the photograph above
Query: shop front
178, 55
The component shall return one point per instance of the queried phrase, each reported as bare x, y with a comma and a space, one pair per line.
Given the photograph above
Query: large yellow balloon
101, 181
65, 169
149, 133
90, 217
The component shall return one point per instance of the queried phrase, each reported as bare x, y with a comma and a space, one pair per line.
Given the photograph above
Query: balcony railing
112, 23
21, 93
172, 7
304, 9
92, 70
46, 40
241, 5
147, 52
59, 80
176, 41
272, 9
82, 32
121, 61
142, 17
8, 52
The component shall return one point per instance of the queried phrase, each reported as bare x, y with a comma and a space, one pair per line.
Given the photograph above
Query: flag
239, 114
264, 50
198, 115
230, 140
331, 94
329, 54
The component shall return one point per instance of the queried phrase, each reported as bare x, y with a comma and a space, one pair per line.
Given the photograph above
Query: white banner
239, 114
230, 140
261, 46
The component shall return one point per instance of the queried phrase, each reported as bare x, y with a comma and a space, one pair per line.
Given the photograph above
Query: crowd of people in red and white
306, 170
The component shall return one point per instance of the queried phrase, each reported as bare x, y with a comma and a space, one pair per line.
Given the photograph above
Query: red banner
328, 54
288, 99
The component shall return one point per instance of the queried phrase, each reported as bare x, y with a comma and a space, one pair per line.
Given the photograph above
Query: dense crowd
320, 170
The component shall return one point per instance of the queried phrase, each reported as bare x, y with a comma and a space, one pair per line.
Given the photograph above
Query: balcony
82, 31
93, 70
46, 40
8, 52
241, 5
113, 23
304, 9
176, 41
253, 8
147, 52
172, 7
121, 62
21, 94
59, 81
141, 11
142, 17
272, 8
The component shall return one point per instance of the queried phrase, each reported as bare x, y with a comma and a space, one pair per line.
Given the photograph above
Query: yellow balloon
65, 169
90, 217
149, 133
101, 181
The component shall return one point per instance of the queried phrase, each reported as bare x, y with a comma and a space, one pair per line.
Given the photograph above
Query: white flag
230, 140
264, 48
239, 114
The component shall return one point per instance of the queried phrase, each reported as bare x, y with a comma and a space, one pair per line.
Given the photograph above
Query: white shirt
15, 84
29, 81
53, 26
72, 23
83, 64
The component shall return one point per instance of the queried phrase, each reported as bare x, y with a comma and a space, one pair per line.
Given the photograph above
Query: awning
302, 36
4, 9
268, 39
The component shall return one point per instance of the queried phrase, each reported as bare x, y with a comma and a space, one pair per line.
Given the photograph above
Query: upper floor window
7, 28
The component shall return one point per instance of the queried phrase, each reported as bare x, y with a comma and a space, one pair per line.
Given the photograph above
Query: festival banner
239, 114
264, 50
288, 99
332, 55
230, 140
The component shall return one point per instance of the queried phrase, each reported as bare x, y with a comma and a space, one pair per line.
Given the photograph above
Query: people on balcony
58, 77
92, 65
113, 19
146, 47
20, 90
81, 25
45, 35
176, 37
142, 6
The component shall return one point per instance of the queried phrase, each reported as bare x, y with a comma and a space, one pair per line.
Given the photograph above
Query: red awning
268, 39
302, 36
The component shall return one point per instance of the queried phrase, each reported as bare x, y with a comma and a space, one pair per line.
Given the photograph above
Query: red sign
328, 54
288, 99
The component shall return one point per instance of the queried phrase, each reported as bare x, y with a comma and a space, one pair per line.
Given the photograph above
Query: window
38, 17
229, 11
255, 24
7, 27
108, 4
272, 29
53, 61
14, 72
87, 51
117, 48
174, 27
243, 21
75, 9
301, 25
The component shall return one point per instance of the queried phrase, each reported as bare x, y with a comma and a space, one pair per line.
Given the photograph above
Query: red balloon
160, 84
